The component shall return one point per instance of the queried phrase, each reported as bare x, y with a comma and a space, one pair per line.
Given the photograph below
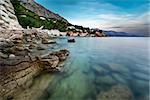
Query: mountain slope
122, 34
29, 18
40, 10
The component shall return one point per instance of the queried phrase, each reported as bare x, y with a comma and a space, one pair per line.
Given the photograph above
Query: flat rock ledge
15, 73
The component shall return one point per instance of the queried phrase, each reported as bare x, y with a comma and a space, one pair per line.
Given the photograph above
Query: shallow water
95, 65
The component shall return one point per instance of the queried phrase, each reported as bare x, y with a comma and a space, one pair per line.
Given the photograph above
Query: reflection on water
98, 69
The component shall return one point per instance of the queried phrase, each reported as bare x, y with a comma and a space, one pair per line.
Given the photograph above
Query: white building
56, 33
70, 27
42, 18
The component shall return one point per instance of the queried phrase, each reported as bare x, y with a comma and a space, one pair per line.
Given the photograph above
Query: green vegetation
78, 28
29, 18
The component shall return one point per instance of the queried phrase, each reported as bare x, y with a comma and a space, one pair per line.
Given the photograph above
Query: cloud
103, 20
117, 15
135, 24
85, 22
132, 23
106, 16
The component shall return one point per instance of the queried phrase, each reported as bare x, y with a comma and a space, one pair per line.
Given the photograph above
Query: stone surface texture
8, 20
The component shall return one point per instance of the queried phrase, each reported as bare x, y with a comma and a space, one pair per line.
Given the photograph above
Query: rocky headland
24, 53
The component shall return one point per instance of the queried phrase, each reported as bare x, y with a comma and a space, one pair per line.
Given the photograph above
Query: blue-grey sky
118, 15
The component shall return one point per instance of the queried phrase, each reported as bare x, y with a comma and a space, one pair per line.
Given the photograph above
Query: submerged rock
117, 92
119, 78
140, 75
99, 70
40, 47
104, 80
118, 68
71, 40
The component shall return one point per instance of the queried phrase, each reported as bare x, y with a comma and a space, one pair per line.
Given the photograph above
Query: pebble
11, 56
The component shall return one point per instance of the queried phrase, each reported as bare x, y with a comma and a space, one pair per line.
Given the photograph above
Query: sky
118, 15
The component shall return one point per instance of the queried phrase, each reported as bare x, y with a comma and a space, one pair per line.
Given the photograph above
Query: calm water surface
95, 65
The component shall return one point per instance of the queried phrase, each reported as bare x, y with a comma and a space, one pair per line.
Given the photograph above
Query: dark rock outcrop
71, 40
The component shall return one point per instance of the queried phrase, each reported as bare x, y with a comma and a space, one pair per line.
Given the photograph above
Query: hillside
122, 34
40, 10
32, 14
27, 17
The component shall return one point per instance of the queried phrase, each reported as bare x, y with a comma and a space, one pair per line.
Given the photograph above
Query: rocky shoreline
24, 53
18, 65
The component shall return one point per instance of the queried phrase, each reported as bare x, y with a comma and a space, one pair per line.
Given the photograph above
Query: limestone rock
8, 20
62, 54
46, 41
17, 72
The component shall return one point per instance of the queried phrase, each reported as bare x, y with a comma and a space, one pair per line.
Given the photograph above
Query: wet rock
32, 46
52, 61
46, 41
71, 40
62, 54
17, 72
117, 92
16, 49
40, 47
6, 44
27, 49
20, 47
2, 55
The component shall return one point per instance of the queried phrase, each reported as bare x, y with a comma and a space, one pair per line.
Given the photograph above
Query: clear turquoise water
96, 64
